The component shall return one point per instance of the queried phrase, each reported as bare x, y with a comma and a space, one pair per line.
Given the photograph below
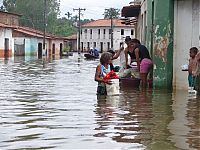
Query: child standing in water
192, 66
101, 71
196, 73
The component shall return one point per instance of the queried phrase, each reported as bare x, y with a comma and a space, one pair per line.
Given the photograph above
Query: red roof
36, 33
6, 26
72, 37
10, 13
106, 23
31, 32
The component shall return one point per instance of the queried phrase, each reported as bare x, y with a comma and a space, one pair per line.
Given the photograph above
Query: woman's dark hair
111, 51
135, 41
194, 50
105, 57
127, 39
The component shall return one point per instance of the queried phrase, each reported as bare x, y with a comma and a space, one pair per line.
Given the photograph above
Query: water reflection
136, 117
52, 104
186, 124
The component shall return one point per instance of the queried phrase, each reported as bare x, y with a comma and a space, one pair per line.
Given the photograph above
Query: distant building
16, 40
11, 19
28, 42
71, 42
97, 34
168, 29
6, 41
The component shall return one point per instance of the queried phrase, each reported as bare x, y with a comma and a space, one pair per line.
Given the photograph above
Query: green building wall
160, 22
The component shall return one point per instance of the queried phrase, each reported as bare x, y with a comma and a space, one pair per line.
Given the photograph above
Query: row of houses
169, 28
16, 40
97, 34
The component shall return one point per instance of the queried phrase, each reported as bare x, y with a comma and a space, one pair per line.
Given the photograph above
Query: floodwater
52, 104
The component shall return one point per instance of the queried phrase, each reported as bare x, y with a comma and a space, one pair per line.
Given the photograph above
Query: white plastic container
184, 67
191, 91
113, 89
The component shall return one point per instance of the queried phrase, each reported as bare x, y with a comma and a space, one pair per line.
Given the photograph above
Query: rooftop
105, 23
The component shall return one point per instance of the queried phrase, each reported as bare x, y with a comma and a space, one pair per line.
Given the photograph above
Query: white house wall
6, 33
142, 23
186, 35
57, 46
117, 37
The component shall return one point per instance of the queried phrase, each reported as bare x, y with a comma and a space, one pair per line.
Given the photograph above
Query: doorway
53, 49
39, 50
61, 49
101, 47
6, 50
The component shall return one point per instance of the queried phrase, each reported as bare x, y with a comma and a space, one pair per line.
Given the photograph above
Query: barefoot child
192, 66
196, 73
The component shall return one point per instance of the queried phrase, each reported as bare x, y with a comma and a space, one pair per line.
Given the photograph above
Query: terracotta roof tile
106, 23
6, 26
72, 37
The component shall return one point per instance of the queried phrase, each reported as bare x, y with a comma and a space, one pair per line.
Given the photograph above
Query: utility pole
111, 19
111, 12
68, 15
79, 27
45, 23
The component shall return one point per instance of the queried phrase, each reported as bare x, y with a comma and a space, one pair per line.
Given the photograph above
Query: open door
101, 48
61, 49
53, 49
39, 50
6, 48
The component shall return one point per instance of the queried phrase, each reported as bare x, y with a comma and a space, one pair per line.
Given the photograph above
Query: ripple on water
52, 104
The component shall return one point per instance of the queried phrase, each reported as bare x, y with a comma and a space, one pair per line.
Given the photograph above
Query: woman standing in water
101, 71
140, 54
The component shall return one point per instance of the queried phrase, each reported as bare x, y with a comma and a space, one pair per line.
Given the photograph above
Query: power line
79, 25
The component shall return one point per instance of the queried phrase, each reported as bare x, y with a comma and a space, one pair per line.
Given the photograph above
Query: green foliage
32, 12
111, 13
64, 27
66, 49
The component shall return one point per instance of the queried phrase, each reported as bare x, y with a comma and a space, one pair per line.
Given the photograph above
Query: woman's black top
143, 53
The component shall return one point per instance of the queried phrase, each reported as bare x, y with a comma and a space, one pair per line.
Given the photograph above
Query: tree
111, 13
64, 27
33, 11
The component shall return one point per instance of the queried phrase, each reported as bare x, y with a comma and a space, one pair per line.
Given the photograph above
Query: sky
94, 8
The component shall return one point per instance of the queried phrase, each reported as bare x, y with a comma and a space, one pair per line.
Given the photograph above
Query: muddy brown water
52, 104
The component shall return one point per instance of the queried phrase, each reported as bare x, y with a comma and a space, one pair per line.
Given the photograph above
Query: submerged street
52, 104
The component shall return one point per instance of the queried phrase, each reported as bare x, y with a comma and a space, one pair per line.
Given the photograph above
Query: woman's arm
118, 53
126, 57
137, 58
97, 74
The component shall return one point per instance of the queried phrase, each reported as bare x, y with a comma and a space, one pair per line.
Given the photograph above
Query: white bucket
113, 89
191, 91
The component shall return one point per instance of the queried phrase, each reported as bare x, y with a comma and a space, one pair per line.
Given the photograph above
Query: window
85, 31
90, 33
104, 33
94, 44
122, 31
110, 31
132, 32
99, 32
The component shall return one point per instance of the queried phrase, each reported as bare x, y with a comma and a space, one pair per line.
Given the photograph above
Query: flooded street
53, 105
